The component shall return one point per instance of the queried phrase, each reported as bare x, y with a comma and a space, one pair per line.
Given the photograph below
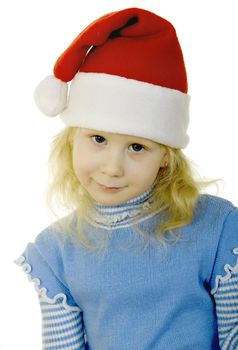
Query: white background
33, 35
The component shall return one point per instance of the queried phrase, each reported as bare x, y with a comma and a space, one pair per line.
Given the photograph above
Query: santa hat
128, 77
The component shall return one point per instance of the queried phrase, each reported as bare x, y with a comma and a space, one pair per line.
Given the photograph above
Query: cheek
150, 176
79, 163
146, 171
83, 163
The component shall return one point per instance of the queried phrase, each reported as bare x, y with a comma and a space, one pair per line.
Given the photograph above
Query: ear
165, 160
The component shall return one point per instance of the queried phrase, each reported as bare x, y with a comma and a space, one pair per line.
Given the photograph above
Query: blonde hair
176, 189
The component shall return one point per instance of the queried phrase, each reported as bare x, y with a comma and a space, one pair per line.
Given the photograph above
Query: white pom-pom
51, 96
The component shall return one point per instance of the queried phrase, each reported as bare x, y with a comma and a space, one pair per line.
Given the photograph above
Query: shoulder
214, 202
214, 217
44, 262
51, 246
213, 208
56, 236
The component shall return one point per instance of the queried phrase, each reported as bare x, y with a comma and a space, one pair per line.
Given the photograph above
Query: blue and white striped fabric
124, 214
61, 328
226, 299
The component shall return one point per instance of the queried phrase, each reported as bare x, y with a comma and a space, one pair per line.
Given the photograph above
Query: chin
110, 202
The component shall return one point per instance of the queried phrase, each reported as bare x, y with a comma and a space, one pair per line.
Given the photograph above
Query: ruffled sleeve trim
229, 271
42, 291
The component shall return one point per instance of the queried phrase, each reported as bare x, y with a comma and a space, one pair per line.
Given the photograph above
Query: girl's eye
137, 148
98, 139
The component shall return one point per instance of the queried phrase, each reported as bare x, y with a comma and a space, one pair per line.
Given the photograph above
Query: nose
113, 164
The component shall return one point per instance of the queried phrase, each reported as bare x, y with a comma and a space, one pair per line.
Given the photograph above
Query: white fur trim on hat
126, 106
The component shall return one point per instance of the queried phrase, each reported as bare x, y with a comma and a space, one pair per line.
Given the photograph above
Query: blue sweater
137, 294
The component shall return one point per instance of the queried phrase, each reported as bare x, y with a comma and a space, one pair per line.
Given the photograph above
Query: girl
144, 260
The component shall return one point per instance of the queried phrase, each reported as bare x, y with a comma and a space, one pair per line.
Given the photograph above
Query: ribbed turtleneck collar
124, 214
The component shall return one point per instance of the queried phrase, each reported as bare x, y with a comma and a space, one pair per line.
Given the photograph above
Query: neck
124, 214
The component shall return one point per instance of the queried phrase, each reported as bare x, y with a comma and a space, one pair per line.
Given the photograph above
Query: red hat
128, 77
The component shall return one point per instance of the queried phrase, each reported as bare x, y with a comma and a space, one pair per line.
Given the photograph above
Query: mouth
109, 188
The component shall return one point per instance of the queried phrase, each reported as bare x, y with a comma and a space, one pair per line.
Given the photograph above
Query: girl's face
115, 168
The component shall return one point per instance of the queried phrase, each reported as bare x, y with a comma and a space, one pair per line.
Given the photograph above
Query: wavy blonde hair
176, 189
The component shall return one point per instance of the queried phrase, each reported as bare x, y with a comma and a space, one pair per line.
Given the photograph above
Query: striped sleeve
225, 284
62, 328
226, 299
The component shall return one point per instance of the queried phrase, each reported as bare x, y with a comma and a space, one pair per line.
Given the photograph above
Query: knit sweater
136, 293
